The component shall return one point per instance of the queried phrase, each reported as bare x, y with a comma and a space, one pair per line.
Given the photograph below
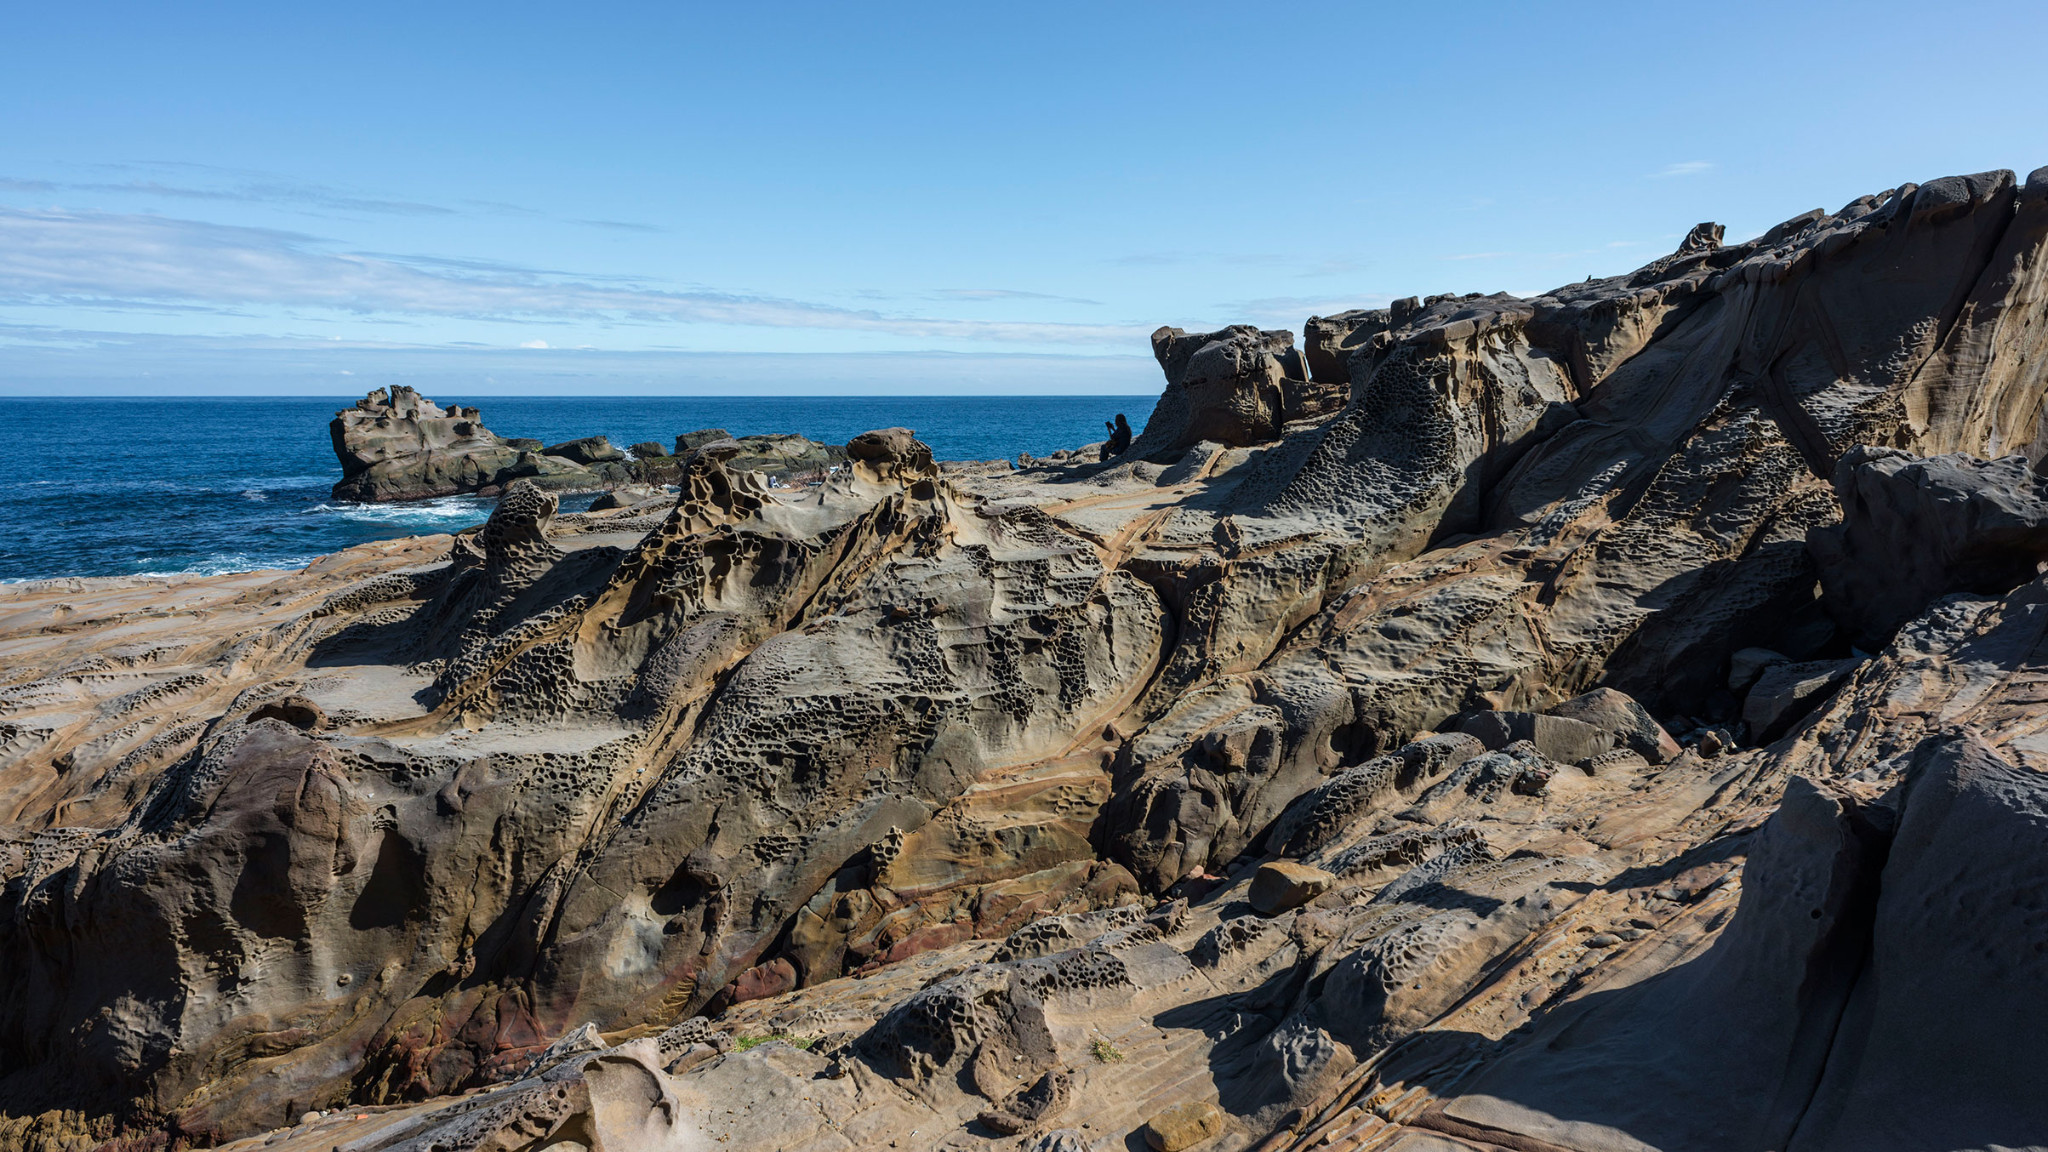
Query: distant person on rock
1119, 438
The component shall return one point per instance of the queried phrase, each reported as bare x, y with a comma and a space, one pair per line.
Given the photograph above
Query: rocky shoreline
1604, 720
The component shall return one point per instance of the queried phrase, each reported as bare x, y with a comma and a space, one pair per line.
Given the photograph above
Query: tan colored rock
912, 747
399, 445
1183, 1126
1281, 885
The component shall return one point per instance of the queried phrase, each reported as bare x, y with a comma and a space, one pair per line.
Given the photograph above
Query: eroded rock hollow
1606, 720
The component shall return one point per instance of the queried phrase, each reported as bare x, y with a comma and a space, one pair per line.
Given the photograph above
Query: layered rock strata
1374, 776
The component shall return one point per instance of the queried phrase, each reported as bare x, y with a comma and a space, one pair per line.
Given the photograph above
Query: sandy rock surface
928, 807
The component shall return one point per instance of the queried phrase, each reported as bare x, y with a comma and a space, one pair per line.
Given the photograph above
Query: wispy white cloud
205, 182
620, 225
111, 260
1683, 168
39, 359
1302, 266
248, 193
987, 294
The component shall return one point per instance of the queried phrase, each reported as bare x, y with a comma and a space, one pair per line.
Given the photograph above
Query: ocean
117, 486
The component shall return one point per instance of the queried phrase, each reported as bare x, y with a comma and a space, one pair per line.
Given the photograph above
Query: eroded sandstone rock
398, 445
891, 765
1234, 387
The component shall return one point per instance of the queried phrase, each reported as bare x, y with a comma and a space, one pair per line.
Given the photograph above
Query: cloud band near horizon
118, 261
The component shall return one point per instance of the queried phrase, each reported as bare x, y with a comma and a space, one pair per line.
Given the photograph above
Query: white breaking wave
438, 514
229, 563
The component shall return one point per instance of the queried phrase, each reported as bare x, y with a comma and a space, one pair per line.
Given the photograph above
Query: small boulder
699, 438
764, 980
1622, 717
1183, 1126
297, 711
1559, 738
622, 497
1749, 663
648, 450
1033, 1106
1785, 692
1280, 885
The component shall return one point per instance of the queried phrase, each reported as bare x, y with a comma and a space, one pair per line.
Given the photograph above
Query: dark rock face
1914, 529
1628, 722
1783, 693
1234, 387
897, 762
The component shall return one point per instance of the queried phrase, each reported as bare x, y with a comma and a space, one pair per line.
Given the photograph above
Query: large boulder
1560, 738
1234, 387
1329, 341
890, 452
1784, 692
1620, 716
1916, 528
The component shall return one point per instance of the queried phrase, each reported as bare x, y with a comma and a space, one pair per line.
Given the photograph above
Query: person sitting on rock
1119, 437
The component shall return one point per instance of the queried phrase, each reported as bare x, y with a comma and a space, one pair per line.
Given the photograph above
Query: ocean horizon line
750, 396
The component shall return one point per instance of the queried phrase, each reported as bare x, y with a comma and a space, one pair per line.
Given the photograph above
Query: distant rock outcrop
399, 445
780, 456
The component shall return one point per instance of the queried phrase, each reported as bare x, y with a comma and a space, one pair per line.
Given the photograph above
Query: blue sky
902, 197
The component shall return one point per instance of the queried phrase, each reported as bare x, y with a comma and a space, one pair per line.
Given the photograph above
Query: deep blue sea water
118, 486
